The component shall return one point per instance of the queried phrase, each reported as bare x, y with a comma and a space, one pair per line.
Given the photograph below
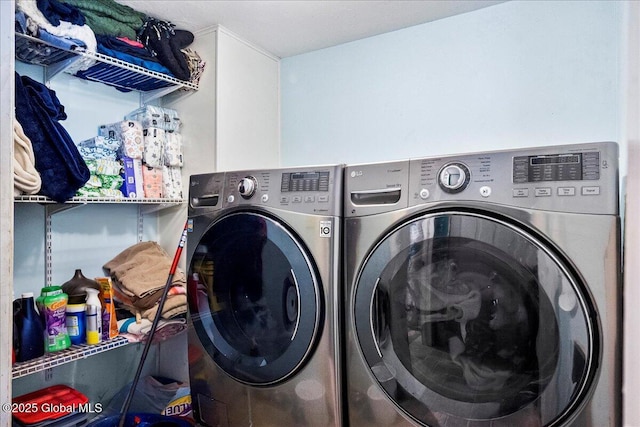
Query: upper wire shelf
107, 70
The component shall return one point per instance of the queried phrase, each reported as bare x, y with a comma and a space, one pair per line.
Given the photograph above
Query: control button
323, 199
424, 194
309, 199
284, 199
566, 191
296, 199
264, 198
590, 191
542, 192
485, 191
231, 198
520, 192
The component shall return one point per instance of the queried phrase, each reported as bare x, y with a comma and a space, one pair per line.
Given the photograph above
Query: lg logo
325, 228
355, 174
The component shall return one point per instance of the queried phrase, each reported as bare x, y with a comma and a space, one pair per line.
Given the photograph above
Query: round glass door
465, 319
254, 298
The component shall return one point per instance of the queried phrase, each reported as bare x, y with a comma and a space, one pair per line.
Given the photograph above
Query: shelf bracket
54, 69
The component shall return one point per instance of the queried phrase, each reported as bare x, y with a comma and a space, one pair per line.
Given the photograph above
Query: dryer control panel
313, 189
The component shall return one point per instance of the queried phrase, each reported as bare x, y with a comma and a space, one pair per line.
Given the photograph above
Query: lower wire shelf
73, 353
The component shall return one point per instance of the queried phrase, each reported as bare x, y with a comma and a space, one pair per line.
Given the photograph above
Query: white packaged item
152, 182
128, 133
172, 182
173, 149
151, 116
154, 142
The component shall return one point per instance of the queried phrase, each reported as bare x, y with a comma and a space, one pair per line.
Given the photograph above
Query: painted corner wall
516, 74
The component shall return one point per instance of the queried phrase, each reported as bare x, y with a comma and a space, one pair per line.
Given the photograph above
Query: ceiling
291, 27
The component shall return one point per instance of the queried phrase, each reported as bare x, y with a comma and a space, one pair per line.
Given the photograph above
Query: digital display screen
305, 175
555, 160
305, 181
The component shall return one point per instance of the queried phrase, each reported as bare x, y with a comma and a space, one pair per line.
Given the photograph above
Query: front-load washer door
468, 319
254, 298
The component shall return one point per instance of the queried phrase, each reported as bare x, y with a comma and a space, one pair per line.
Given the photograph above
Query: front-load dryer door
467, 319
254, 298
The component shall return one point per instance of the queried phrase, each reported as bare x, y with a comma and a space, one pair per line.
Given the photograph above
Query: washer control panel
581, 178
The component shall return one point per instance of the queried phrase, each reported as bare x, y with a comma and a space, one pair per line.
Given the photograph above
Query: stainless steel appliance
263, 268
484, 289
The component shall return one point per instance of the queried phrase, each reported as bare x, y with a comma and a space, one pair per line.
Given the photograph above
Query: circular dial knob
454, 177
247, 186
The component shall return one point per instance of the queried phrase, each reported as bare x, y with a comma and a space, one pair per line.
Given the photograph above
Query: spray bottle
93, 316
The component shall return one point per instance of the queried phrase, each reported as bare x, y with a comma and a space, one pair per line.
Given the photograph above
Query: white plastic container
93, 316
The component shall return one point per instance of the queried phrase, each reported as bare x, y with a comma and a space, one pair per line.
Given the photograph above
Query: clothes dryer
263, 254
484, 289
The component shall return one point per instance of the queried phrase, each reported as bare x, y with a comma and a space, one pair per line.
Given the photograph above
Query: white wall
512, 75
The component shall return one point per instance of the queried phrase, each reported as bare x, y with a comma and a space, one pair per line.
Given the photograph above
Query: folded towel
142, 269
26, 179
174, 305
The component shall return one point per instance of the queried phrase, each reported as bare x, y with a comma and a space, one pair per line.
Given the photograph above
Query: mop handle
156, 319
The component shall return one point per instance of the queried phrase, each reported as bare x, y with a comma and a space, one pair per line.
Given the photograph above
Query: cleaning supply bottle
30, 329
93, 316
53, 313
76, 324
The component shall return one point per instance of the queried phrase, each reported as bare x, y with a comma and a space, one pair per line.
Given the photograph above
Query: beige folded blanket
142, 269
26, 179
174, 305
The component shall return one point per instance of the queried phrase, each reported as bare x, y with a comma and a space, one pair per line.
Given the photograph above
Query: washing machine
263, 255
484, 289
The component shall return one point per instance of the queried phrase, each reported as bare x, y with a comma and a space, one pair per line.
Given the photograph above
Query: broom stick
156, 319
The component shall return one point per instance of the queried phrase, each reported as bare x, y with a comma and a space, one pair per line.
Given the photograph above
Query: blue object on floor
141, 420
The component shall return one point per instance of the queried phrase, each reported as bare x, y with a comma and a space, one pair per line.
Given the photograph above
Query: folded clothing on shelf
139, 275
26, 179
57, 159
64, 30
108, 17
138, 330
166, 43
